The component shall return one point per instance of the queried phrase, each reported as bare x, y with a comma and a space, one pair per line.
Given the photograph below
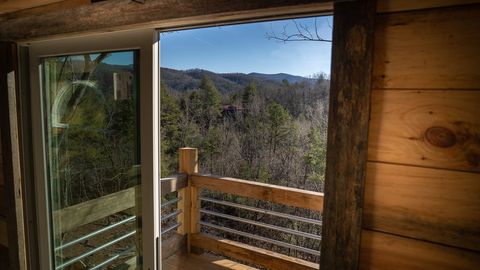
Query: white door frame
147, 42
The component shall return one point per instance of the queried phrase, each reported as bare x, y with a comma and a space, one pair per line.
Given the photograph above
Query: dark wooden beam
35, 11
14, 5
125, 14
352, 52
10, 155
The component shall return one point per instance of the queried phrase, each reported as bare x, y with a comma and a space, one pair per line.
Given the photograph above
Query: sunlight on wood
205, 262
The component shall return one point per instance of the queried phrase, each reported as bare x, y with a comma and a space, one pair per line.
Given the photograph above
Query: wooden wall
422, 192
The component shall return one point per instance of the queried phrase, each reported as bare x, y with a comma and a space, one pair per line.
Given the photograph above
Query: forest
259, 127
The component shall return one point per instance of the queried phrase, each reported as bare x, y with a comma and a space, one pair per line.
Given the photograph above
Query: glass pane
91, 120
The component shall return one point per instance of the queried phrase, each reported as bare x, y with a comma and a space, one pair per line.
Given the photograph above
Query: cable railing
261, 238
213, 218
95, 233
170, 216
125, 200
263, 211
190, 215
95, 250
261, 224
208, 215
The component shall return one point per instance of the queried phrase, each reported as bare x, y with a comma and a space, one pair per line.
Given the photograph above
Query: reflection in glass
90, 107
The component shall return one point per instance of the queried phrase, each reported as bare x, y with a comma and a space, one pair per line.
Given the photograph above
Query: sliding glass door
95, 107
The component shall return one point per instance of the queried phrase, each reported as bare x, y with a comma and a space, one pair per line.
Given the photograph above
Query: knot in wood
440, 137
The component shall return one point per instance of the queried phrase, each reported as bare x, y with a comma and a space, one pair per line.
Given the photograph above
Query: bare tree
302, 33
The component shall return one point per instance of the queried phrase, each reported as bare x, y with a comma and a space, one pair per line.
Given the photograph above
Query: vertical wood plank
11, 156
188, 163
188, 160
353, 39
194, 210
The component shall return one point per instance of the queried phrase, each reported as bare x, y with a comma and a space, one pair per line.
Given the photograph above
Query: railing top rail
277, 194
173, 183
92, 210
83, 213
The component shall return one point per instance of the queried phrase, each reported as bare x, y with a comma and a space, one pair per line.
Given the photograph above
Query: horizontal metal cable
171, 228
263, 239
260, 224
111, 259
172, 214
97, 232
165, 204
95, 250
263, 211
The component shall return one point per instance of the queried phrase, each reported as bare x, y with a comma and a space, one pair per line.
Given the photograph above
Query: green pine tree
279, 124
170, 131
210, 102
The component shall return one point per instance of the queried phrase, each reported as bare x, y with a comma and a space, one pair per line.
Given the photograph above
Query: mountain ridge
184, 80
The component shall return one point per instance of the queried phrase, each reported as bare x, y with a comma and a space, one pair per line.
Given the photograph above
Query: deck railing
182, 209
75, 216
259, 191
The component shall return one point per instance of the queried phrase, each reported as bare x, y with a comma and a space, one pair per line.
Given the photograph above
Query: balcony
191, 236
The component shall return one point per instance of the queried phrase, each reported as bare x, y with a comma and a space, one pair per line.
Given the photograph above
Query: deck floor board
203, 262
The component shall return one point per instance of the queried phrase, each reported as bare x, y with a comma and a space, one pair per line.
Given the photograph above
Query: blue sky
244, 48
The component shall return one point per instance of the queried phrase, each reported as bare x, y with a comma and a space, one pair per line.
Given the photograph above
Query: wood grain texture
188, 219
384, 6
14, 5
13, 181
187, 163
382, 251
126, 14
428, 128
352, 53
250, 254
39, 10
430, 204
184, 206
15, 187
431, 49
203, 262
174, 244
173, 183
261, 191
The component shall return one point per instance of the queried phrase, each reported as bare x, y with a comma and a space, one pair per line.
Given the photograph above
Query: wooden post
347, 145
188, 163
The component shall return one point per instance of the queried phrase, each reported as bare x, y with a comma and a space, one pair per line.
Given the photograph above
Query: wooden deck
202, 262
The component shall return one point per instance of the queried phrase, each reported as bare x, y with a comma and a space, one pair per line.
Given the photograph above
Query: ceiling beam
42, 10
165, 14
7, 6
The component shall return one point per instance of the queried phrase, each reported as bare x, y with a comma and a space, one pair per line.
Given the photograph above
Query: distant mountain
280, 77
183, 80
